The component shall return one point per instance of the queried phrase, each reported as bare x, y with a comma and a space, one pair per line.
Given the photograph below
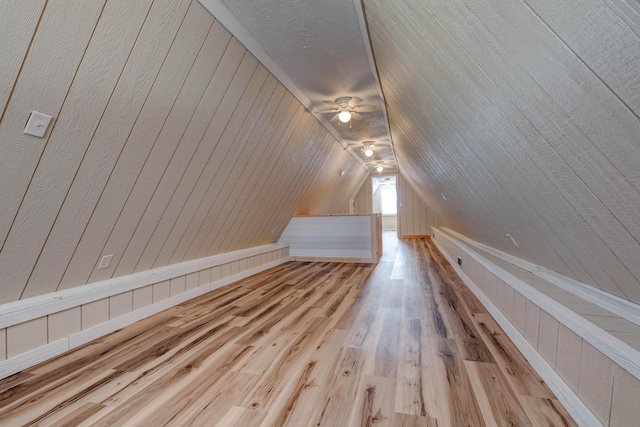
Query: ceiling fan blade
354, 101
332, 104
334, 118
366, 109
356, 116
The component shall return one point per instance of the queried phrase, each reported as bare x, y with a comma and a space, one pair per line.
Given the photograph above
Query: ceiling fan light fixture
344, 116
368, 152
379, 168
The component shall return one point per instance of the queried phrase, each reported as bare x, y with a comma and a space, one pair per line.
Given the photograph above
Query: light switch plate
37, 124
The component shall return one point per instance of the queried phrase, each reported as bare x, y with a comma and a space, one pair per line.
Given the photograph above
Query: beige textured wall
525, 117
170, 142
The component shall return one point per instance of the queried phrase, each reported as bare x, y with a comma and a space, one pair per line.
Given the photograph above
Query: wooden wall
170, 142
525, 116
414, 217
339, 238
363, 199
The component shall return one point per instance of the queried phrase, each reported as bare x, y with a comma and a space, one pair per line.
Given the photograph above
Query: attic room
329, 213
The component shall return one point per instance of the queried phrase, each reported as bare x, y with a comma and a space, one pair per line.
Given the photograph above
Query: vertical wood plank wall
414, 217
170, 142
363, 199
608, 389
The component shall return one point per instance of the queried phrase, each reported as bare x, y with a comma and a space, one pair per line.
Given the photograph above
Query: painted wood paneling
144, 135
16, 31
64, 323
414, 217
95, 313
56, 49
101, 68
143, 297
521, 118
363, 198
588, 359
596, 381
348, 237
120, 304
170, 142
624, 399
26, 336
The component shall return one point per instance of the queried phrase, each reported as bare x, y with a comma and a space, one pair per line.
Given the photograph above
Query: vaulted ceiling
517, 121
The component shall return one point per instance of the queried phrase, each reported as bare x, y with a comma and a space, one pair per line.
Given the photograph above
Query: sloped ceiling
521, 118
170, 142
320, 50
516, 121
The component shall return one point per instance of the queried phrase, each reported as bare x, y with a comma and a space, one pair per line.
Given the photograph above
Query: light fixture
344, 116
368, 150
379, 168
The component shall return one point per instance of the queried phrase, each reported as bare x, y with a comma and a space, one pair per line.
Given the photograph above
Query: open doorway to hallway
385, 200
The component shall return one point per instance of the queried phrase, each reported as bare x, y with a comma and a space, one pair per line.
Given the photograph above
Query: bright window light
388, 200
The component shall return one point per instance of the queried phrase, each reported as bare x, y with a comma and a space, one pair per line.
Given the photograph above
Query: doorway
385, 200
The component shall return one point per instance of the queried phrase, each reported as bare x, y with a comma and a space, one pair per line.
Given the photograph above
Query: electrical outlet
105, 262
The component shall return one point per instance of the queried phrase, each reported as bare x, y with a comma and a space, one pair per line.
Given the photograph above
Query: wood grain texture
61, 47
17, 31
414, 217
501, 107
293, 346
91, 91
166, 144
362, 200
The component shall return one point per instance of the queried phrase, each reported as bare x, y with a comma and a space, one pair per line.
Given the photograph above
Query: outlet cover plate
105, 262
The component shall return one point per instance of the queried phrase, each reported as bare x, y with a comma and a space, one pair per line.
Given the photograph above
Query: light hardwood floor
403, 343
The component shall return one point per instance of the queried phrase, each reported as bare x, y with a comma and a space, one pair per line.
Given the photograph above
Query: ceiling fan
347, 108
368, 148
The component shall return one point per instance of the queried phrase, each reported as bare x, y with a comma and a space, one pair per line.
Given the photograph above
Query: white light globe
344, 116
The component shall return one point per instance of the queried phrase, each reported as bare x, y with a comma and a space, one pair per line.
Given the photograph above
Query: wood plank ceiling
520, 119
170, 142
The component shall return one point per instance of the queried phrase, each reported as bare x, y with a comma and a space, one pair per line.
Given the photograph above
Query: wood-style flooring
403, 343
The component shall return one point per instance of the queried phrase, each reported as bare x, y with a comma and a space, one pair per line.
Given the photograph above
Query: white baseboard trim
615, 349
576, 408
621, 307
32, 308
33, 357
